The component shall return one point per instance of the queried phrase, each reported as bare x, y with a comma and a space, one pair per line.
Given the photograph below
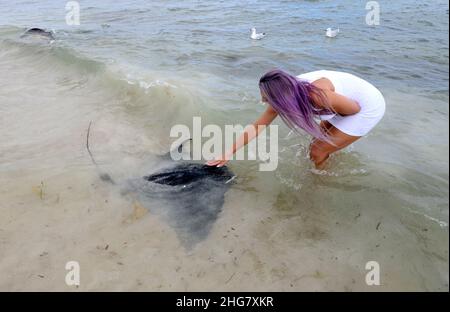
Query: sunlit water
135, 68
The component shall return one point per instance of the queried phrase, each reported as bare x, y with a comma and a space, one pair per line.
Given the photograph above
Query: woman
346, 108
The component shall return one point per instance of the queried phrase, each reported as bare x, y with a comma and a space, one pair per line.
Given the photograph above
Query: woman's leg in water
321, 150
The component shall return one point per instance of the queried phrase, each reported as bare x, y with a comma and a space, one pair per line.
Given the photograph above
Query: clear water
135, 68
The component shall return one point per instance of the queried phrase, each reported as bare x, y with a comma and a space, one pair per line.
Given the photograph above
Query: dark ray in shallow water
190, 197
39, 32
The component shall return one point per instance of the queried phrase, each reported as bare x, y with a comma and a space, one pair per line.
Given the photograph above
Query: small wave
147, 85
149, 101
38, 54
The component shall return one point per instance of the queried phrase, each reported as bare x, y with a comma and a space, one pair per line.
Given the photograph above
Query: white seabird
256, 36
331, 33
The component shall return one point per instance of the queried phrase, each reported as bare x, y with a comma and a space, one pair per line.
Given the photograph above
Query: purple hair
292, 99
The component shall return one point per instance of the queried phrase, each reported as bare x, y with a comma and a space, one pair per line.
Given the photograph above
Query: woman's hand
218, 161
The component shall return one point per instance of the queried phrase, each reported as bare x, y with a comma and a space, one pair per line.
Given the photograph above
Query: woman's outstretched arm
264, 120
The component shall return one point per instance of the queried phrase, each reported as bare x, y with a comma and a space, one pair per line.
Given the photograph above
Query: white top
368, 97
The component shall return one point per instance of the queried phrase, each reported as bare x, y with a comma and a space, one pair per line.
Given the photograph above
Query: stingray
188, 196
40, 33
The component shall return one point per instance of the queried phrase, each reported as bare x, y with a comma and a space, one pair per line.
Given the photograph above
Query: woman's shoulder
318, 78
311, 76
324, 83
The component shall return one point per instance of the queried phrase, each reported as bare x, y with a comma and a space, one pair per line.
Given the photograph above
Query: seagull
331, 33
256, 36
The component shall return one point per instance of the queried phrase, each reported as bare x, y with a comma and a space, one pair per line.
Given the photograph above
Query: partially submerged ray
39, 32
188, 173
188, 196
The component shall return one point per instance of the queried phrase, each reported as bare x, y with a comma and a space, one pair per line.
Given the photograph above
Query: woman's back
350, 86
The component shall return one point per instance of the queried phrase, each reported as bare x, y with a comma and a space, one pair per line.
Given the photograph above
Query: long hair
292, 99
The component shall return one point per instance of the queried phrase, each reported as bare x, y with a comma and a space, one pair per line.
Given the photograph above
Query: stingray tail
103, 175
179, 148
